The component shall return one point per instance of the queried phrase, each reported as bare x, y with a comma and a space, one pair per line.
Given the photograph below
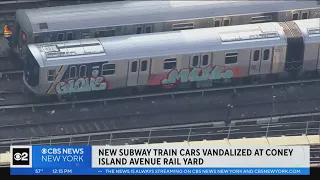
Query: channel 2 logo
20, 156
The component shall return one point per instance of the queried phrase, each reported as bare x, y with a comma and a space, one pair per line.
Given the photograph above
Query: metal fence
315, 155
141, 136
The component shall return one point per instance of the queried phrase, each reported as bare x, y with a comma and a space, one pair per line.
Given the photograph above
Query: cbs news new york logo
21, 156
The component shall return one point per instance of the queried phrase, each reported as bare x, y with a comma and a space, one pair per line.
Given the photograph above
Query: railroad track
121, 113
263, 102
10, 66
146, 118
229, 91
11, 86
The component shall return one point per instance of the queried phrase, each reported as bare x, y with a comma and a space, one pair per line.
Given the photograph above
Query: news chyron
46, 159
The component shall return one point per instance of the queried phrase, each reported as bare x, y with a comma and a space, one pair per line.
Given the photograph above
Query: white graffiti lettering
81, 85
197, 74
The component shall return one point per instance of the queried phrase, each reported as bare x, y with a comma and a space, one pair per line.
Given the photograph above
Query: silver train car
198, 57
137, 17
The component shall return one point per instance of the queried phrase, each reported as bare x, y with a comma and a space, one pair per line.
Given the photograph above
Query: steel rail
267, 123
160, 112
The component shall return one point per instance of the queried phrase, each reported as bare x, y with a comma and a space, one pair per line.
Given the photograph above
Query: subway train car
186, 58
137, 17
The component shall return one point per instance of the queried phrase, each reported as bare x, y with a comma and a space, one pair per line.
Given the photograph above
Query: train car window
231, 58
134, 66
226, 22
43, 26
256, 55
295, 16
261, 19
305, 15
205, 60
51, 74
266, 54
216, 23
60, 37
83, 71
139, 30
148, 29
195, 61
108, 69
170, 63
182, 26
69, 36
144, 65
72, 72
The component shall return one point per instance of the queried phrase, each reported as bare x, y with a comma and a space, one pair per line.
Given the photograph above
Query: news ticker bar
161, 171
104, 160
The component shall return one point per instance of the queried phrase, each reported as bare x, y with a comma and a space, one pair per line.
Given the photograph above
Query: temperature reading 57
38, 171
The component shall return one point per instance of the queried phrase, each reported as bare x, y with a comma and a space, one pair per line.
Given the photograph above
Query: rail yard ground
157, 111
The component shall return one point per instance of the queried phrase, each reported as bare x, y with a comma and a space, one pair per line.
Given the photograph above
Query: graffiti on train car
82, 84
198, 74
195, 74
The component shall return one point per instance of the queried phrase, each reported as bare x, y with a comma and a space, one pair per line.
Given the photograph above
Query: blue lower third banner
161, 171
128, 160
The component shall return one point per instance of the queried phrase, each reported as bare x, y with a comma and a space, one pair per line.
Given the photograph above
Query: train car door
266, 60
255, 60
144, 71
133, 73
138, 72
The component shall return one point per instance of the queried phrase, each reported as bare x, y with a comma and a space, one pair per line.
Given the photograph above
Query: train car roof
310, 30
158, 44
140, 12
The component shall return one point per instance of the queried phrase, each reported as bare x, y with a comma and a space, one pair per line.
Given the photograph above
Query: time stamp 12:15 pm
55, 171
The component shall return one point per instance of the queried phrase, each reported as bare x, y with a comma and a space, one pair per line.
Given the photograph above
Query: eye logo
20, 156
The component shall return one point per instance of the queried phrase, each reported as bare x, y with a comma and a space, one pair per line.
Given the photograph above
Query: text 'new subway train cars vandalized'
125, 18
198, 57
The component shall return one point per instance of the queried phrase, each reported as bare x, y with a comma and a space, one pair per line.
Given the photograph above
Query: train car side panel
114, 73
310, 30
50, 76
310, 57
314, 13
235, 60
